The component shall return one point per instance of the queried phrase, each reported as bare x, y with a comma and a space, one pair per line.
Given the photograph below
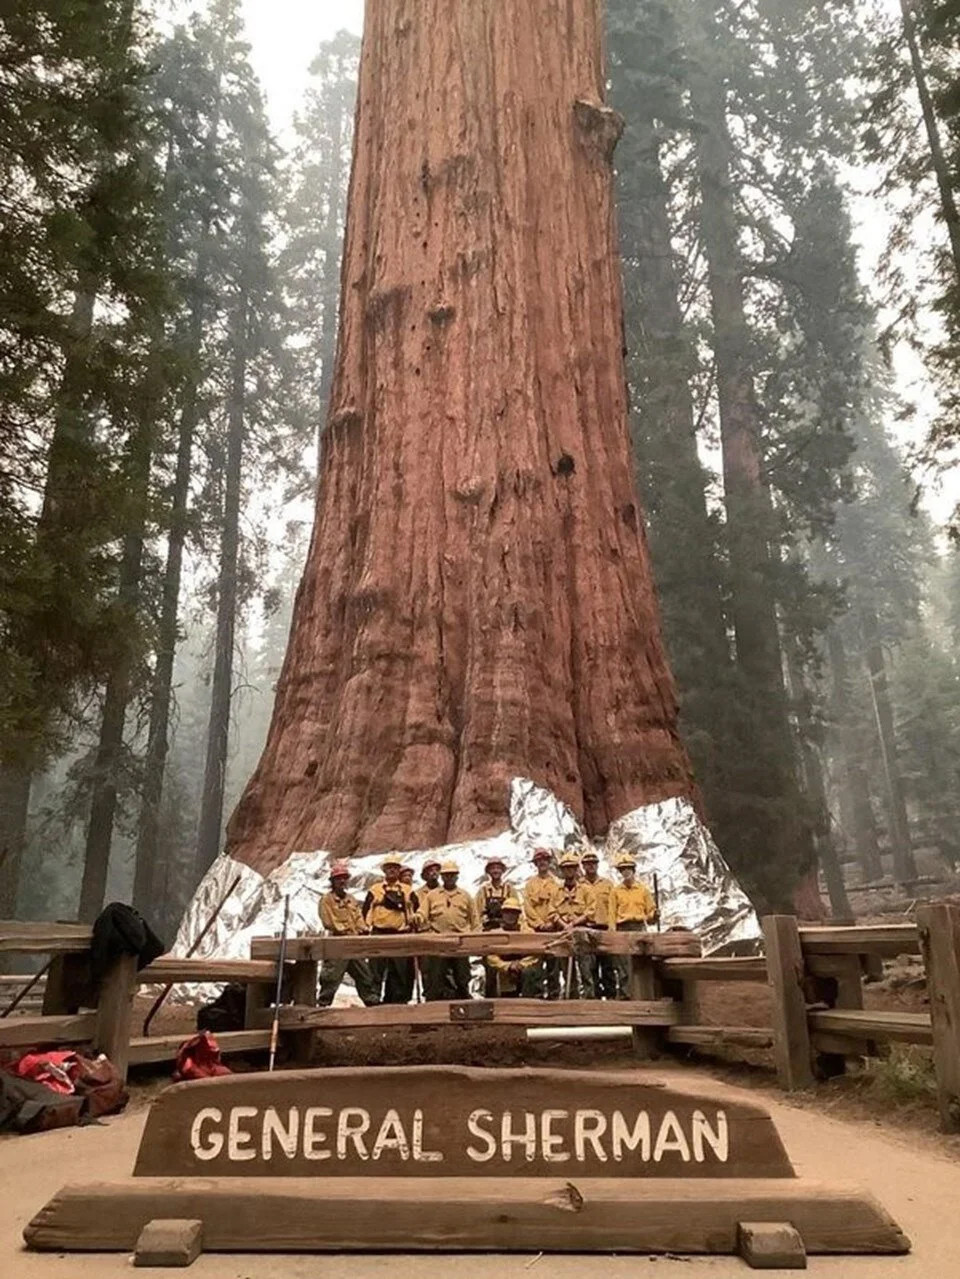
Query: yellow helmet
449, 868
511, 903
569, 859
625, 860
390, 861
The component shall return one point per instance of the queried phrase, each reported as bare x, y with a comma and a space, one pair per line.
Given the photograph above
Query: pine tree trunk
477, 601
161, 690
671, 476
103, 801
786, 846
218, 736
807, 897
862, 823
904, 867
14, 809
941, 165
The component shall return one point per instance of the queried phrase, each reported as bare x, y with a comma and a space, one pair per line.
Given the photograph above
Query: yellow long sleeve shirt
538, 898
342, 916
448, 912
630, 905
599, 891
379, 913
570, 905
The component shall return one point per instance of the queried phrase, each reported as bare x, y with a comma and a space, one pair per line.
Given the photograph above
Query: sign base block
521, 1214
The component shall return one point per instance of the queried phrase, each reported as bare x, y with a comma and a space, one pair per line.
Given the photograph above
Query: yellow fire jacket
630, 905
570, 905
342, 916
599, 892
380, 911
538, 898
448, 912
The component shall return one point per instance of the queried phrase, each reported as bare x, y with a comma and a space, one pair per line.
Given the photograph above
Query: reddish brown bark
477, 601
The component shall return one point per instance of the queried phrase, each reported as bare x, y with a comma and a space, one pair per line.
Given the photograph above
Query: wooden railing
814, 974
110, 1027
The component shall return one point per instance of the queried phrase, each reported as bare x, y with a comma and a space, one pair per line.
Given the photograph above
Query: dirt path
915, 1181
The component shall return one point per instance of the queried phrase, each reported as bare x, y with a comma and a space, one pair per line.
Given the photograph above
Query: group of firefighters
580, 898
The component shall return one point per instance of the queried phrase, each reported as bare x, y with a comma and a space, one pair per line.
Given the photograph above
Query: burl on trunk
478, 600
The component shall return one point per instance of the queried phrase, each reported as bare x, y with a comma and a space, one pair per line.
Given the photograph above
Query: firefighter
511, 975
448, 909
430, 873
602, 969
571, 909
388, 909
631, 908
341, 916
538, 895
406, 878
492, 893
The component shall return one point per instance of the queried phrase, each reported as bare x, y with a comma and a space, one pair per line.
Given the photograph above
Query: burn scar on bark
600, 126
441, 315
568, 1198
565, 465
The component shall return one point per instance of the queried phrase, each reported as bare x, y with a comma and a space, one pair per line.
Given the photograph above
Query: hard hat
449, 868
590, 856
494, 861
431, 861
625, 860
339, 870
569, 859
542, 854
511, 903
390, 861
405, 869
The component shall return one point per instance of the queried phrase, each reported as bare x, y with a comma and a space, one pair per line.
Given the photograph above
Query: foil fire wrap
697, 888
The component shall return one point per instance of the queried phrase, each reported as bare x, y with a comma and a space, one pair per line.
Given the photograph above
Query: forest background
169, 272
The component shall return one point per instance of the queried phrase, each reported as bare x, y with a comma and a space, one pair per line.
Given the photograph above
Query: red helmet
542, 855
339, 870
494, 861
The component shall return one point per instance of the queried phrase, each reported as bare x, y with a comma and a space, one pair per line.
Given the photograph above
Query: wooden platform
889, 1027
409, 945
483, 1012
520, 1214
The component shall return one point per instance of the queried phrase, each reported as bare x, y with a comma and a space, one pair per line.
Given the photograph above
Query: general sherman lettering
574, 1136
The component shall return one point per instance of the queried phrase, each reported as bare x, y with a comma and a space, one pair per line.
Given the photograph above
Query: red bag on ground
55, 1070
199, 1058
100, 1086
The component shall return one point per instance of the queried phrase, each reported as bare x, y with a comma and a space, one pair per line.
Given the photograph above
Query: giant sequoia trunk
477, 600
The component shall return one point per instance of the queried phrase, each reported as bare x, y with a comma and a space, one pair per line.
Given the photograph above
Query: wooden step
169, 969
888, 940
165, 1047
43, 938
484, 1012
733, 968
890, 1027
719, 1036
20, 1032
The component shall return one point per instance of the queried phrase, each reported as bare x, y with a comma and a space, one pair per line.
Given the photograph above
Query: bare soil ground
916, 1180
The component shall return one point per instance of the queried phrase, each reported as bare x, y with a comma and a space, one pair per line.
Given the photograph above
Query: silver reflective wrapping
697, 889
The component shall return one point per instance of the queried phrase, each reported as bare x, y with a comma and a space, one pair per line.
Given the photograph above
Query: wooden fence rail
814, 975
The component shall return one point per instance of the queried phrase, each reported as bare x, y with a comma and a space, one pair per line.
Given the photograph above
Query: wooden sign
452, 1122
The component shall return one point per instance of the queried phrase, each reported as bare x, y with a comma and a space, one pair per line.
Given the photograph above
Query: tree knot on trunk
565, 465
600, 126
